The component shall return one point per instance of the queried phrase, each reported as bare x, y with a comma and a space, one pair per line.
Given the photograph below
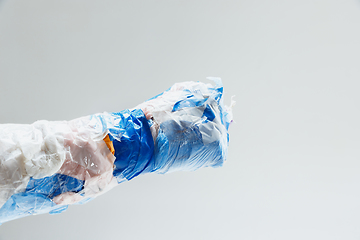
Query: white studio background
293, 170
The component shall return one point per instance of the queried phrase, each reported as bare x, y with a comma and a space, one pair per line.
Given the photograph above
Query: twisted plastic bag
46, 166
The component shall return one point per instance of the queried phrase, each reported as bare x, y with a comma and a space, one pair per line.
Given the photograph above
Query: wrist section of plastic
130, 135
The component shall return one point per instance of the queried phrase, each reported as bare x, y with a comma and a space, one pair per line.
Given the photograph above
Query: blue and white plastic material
46, 166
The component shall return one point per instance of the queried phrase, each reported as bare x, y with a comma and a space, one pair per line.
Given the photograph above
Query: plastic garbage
48, 165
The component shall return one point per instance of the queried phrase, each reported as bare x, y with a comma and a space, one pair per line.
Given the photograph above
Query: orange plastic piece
109, 144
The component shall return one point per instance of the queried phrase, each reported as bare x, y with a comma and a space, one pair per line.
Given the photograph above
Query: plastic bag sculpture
45, 166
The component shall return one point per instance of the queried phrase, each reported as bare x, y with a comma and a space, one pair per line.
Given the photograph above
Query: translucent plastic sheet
46, 166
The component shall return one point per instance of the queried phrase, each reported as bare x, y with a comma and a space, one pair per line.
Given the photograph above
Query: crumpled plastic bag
45, 166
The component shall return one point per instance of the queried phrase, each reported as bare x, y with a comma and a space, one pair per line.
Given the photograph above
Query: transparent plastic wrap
45, 166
